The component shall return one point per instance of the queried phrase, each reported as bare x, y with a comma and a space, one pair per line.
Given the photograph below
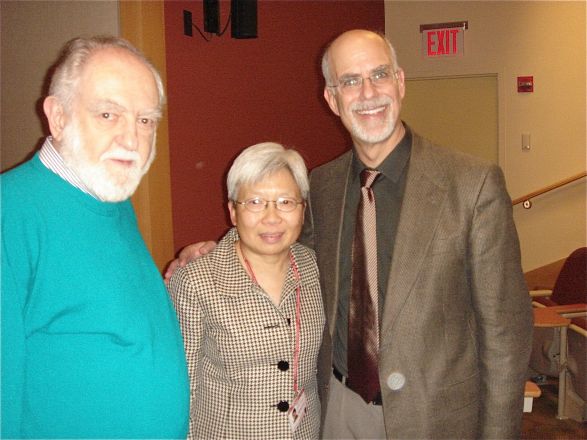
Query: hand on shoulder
187, 254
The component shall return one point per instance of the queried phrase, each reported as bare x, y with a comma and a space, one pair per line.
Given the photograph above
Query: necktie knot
368, 177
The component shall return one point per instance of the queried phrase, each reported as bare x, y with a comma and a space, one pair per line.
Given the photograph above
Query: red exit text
443, 42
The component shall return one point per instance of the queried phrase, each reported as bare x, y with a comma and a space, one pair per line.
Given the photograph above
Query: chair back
571, 284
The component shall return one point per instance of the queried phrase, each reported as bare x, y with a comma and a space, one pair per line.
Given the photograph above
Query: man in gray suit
454, 312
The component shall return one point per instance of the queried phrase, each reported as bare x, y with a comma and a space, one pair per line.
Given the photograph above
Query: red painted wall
227, 94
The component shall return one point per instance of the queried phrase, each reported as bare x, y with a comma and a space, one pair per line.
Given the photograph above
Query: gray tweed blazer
240, 346
456, 329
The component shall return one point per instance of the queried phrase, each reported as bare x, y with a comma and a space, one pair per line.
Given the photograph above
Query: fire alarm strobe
525, 84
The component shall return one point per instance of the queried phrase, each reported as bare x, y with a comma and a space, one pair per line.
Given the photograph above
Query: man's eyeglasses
283, 204
378, 77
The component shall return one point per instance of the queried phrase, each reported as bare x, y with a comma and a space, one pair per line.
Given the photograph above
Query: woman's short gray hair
258, 161
326, 73
74, 57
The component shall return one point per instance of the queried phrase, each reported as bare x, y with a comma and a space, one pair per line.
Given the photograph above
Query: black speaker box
243, 15
211, 17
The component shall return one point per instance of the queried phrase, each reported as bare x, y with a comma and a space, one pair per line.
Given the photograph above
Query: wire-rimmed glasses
258, 204
378, 77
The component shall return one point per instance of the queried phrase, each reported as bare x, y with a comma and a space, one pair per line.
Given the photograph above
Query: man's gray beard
357, 130
101, 183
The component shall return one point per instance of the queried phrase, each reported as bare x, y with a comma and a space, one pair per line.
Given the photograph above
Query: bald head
351, 43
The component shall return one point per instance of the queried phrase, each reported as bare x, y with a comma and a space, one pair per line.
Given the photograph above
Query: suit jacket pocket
460, 395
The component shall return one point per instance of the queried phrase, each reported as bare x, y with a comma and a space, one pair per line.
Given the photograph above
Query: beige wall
510, 39
32, 33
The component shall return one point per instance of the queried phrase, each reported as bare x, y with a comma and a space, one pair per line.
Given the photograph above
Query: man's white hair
75, 56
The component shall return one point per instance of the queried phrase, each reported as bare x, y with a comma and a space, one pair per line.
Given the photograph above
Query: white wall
32, 33
514, 38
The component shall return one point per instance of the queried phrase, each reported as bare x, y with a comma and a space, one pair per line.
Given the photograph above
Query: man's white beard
371, 136
105, 185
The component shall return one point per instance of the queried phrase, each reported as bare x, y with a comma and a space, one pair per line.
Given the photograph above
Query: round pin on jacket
396, 381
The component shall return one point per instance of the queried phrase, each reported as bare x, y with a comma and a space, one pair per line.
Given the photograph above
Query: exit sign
443, 39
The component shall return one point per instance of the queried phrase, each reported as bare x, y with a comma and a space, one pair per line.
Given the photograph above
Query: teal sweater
91, 347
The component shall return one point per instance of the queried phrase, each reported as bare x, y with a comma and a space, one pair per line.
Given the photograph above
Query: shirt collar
393, 165
53, 160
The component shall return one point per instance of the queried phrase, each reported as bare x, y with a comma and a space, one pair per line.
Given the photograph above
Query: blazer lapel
229, 282
331, 201
423, 199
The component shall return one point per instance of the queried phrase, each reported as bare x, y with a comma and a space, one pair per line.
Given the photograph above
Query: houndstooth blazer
239, 346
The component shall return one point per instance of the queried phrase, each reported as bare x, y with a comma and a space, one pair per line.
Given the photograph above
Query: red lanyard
297, 277
296, 272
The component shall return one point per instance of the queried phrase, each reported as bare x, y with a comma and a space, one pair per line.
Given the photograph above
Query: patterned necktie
363, 337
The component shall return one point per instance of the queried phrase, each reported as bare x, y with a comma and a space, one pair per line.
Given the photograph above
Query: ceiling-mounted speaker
243, 15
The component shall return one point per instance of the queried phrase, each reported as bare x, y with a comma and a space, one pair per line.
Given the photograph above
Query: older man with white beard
91, 347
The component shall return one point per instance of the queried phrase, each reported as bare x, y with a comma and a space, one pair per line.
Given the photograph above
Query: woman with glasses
251, 310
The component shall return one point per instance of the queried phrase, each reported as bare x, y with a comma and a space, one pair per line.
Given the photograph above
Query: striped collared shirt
51, 158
